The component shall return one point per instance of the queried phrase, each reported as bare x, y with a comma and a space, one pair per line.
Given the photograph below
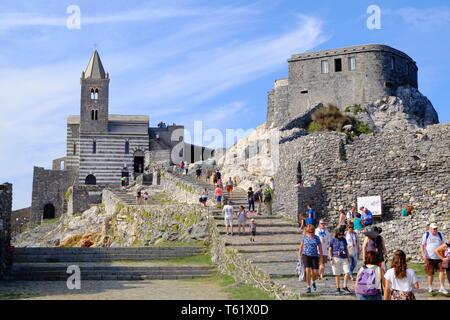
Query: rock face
123, 226
252, 160
408, 109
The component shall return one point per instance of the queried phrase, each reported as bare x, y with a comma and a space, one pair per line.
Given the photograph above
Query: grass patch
161, 198
239, 292
192, 243
418, 268
14, 295
47, 222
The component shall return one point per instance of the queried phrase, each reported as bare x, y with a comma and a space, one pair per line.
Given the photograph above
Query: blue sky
181, 61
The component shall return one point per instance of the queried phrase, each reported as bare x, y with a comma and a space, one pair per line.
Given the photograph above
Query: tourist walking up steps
251, 200
311, 218
374, 242
431, 240
253, 230
444, 253
357, 223
228, 213
353, 248
311, 253
242, 219
258, 199
342, 219
338, 252
218, 195
198, 173
400, 281
366, 217
325, 238
268, 198
229, 187
369, 280
204, 197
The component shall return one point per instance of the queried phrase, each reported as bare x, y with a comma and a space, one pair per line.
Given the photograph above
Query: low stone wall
406, 234
181, 189
5, 227
111, 202
242, 270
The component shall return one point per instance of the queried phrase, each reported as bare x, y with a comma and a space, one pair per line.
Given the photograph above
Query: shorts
229, 188
253, 233
311, 262
228, 222
218, 198
432, 266
339, 265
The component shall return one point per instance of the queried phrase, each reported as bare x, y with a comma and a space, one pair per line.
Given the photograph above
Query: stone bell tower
94, 97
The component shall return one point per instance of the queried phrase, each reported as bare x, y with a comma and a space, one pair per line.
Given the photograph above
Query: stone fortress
102, 148
344, 77
405, 159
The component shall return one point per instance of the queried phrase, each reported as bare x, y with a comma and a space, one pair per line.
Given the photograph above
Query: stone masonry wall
5, 226
403, 167
49, 187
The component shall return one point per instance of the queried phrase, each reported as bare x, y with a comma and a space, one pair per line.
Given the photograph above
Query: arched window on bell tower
127, 147
92, 114
96, 94
92, 94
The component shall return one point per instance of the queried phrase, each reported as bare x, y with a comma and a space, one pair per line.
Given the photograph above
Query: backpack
267, 196
366, 283
428, 235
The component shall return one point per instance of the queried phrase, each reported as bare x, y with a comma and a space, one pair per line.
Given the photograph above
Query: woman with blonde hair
400, 281
311, 254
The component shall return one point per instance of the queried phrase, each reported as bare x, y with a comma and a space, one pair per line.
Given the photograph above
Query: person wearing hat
325, 238
431, 240
374, 242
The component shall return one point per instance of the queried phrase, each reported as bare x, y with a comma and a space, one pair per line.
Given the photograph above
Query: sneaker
314, 286
308, 290
430, 290
338, 290
346, 289
443, 291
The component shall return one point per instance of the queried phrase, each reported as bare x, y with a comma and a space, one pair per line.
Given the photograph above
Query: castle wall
5, 227
82, 197
49, 187
403, 167
73, 148
372, 79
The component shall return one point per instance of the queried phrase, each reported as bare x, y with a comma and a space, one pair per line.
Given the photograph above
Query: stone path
116, 290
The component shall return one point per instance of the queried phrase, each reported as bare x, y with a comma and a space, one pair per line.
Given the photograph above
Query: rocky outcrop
116, 224
408, 109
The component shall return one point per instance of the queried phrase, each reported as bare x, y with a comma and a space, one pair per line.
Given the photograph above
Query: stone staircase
276, 248
50, 264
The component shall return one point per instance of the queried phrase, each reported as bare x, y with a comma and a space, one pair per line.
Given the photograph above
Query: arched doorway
138, 161
90, 180
49, 211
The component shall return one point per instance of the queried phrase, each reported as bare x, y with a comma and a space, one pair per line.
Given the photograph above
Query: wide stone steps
118, 263
101, 254
53, 272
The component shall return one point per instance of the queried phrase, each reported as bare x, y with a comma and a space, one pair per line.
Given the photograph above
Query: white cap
433, 226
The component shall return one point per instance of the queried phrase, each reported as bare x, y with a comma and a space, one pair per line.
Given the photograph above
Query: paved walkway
115, 290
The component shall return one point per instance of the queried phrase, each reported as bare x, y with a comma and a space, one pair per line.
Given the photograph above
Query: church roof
114, 118
95, 68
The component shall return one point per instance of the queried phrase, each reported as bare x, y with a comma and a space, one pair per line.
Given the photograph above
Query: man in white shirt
325, 238
431, 240
228, 212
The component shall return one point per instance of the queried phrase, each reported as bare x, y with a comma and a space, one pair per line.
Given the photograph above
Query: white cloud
435, 16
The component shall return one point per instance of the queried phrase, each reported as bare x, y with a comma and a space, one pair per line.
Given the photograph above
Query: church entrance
90, 180
138, 162
49, 211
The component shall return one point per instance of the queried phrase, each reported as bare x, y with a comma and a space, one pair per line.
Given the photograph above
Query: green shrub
329, 119
357, 109
362, 128
313, 127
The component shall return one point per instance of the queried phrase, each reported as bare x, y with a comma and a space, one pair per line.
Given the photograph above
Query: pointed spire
95, 68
